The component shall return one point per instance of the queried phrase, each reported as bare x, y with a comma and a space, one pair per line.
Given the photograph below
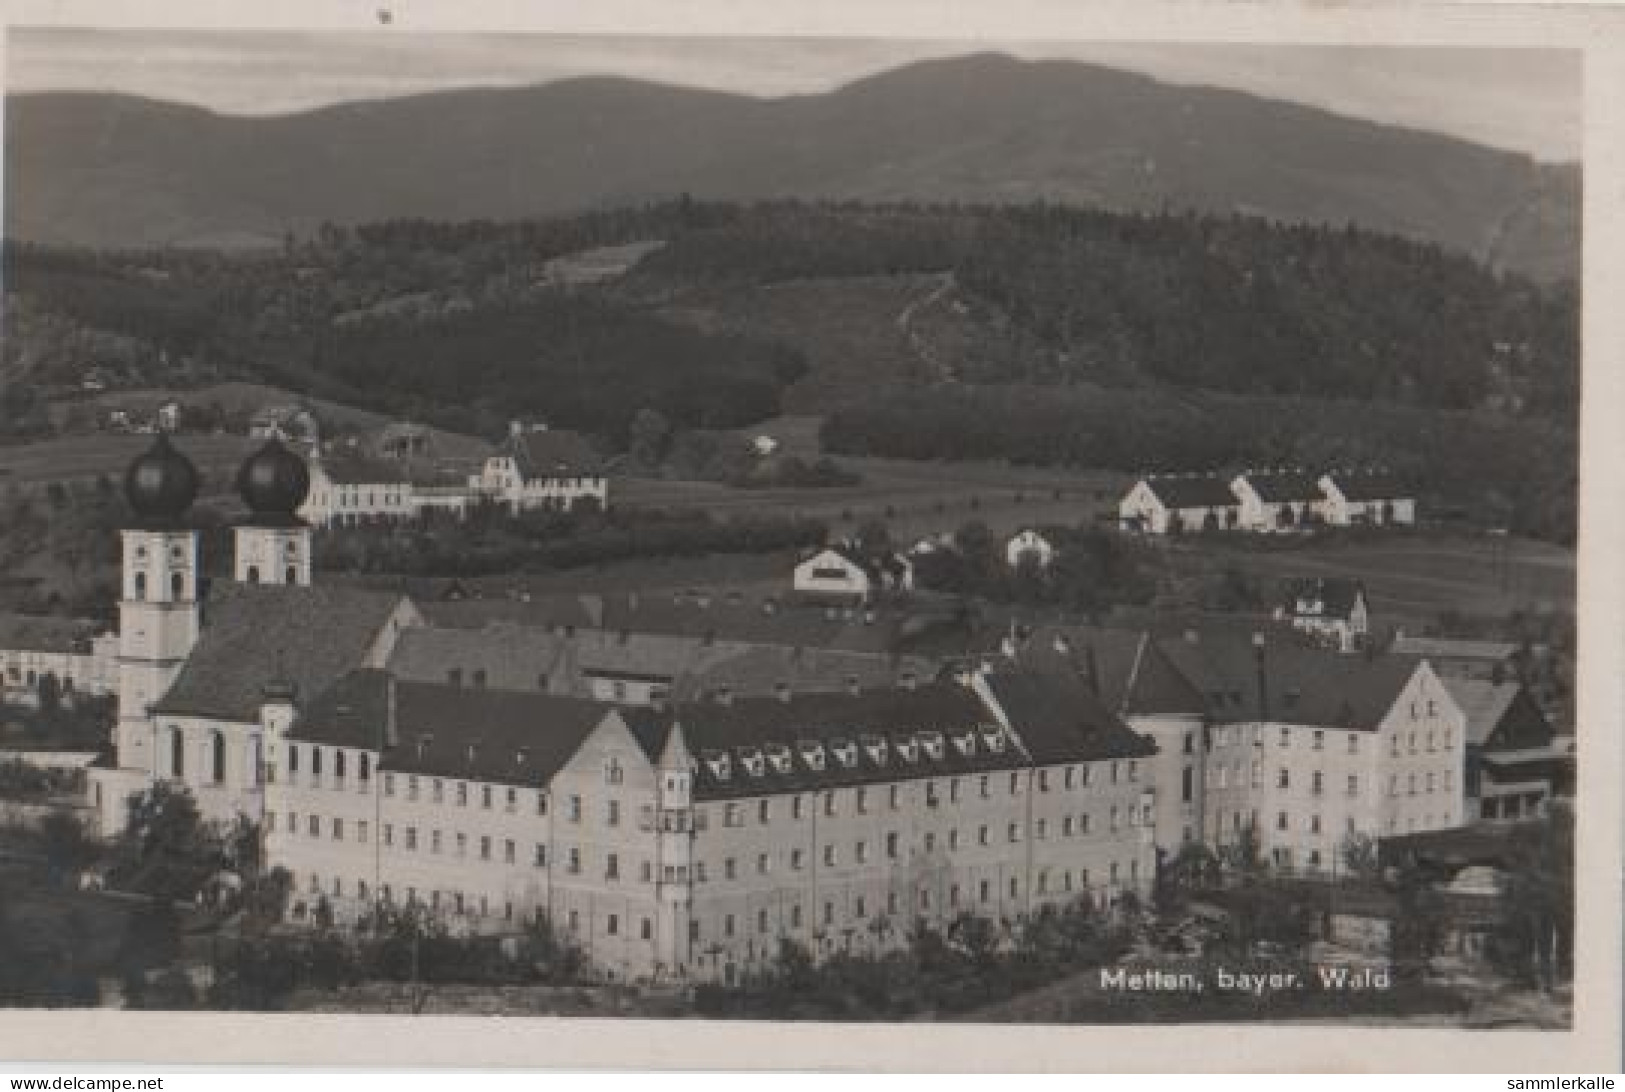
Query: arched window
140, 586
253, 574
177, 585
338, 764
366, 766
315, 762
177, 753
217, 758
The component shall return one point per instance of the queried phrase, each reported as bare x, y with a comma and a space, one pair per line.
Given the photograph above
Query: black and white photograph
893, 530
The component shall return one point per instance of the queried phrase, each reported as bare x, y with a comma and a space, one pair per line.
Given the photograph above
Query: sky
1526, 100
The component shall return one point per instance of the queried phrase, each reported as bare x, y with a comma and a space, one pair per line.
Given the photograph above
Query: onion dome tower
160, 484
158, 619
273, 543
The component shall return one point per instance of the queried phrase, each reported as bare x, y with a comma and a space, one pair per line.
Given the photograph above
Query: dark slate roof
1192, 491
554, 453
1368, 485
1059, 719
1337, 595
46, 633
1134, 677
759, 669
1305, 685
504, 736
476, 611
751, 726
253, 634
1500, 715
718, 617
1280, 486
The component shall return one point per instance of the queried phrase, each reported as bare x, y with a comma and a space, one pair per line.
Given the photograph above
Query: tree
167, 851
1416, 931
1534, 939
1359, 855
66, 844
649, 437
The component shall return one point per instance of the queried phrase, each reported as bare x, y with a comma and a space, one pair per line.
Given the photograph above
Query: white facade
1307, 787
502, 481
272, 555
1341, 511
1143, 510
94, 671
335, 503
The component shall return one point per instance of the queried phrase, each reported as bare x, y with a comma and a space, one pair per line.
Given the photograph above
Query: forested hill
920, 331
106, 170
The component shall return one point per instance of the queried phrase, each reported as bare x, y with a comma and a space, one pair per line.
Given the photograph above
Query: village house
539, 467
79, 656
1353, 497
291, 424
1277, 500
1162, 504
1028, 547
846, 574
1331, 610
1516, 761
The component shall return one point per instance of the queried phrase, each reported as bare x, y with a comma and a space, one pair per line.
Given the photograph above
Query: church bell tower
272, 546
158, 604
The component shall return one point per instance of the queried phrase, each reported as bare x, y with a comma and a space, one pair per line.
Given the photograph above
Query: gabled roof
1336, 595
1305, 685
1284, 486
759, 669
253, 634
1368, 485
1133, 675
1499, 714
874, 567
501, 736
1454, 648
1192, 491
1059, 719
553, 453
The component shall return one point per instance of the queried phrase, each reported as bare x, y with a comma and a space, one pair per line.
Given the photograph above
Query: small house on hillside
843, 572
539, 467
1331, 610
1174, 503
293, 424
1028, 547
1277, 500
1365, 497
1516, 763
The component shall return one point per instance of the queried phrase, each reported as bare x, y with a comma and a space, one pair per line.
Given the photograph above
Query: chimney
909, 680
423, 745
725, 695
781, 690
470, 754
391, 735
1263, 677
852, 685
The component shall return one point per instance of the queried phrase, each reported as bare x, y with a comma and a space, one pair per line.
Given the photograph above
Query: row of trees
540, 540
1092, 570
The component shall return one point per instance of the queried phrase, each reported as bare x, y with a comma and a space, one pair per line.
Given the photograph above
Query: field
1412, 578
84, 458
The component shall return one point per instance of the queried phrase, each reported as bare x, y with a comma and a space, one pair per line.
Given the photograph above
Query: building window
315, 825
1281, 821
485, 847
389, 784
891, 846
1354, 744
575, 809
729, 869
1015, 832
614, 813
829, 856
1283, 779
411, 837
462, 794
177, 753
764, 812
1354, 784
508, 851
763, 863
1317, 783
485, 797
612, 866
795, 860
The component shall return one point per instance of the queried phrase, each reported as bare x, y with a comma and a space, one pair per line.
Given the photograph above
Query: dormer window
965, 744
908, 750
993, 740
779, 755
846, 752
876, 748
812, 753
719, 764
933, 744
750, 758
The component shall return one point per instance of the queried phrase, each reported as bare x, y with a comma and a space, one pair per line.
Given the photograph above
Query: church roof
252, 634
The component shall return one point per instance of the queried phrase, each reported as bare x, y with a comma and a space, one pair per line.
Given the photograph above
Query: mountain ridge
105, 170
